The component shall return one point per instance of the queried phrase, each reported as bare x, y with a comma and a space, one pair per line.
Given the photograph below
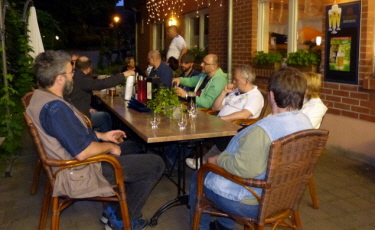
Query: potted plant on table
164, 101
271, 60
304, 60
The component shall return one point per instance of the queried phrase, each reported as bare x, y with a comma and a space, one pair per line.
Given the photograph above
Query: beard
68, 88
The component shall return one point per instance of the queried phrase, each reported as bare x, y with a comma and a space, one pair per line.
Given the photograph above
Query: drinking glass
155, 120
182, 121
192, 109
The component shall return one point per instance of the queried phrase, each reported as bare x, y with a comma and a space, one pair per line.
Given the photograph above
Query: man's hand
115, 150
229, 88
92, 110
129, 73
115, 136
213, 160
177, 80
180, 92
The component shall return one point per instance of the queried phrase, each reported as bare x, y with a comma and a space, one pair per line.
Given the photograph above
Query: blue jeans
101, 121
141, 172
226, 205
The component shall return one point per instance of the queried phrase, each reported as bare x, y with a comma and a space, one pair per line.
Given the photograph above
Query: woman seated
313, 107
129, 64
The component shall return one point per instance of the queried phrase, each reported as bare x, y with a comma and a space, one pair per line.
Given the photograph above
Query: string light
162, 10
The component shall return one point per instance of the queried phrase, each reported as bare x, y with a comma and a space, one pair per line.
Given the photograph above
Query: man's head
210, 64
287, 87
314, 82
85, 64
53, 69
154, 58
244, 77
129, 62
172, 31
187, 62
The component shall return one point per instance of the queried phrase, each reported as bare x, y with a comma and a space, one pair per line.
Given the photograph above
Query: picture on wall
339, 53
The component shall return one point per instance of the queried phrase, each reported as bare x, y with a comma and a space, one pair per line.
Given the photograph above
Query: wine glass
155, 120
182, 121
192, 109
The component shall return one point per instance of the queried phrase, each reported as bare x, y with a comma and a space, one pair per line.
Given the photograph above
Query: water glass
182, 121
192, 109
155, 120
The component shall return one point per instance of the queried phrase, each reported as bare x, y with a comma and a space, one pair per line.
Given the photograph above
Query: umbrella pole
4, 60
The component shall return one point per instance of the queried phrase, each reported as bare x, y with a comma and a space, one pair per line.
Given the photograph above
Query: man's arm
183, 51
243, 114
59, 121
251, 158
89, 84
218, 104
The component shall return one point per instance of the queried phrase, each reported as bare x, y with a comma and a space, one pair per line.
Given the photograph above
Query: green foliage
262, 58
164, 101
199, 54
303, 58
20, 80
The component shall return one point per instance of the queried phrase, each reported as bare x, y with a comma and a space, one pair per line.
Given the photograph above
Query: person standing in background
178, 45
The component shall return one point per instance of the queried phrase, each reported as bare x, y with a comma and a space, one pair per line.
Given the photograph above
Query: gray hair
48, 65
247, 72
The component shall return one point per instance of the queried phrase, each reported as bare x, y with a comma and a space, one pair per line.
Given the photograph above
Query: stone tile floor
346, 191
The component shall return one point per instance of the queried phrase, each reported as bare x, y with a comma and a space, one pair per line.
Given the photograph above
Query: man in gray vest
66, 136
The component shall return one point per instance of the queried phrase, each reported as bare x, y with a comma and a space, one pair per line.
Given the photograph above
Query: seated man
160, 68
247, 153
208, 85
240, 100
83, 86
187, 62
313, 107
66, 136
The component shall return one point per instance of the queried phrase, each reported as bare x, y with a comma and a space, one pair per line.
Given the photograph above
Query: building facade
282, 26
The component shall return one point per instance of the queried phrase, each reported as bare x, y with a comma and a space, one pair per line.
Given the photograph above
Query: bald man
178, 46
83, 85
207, 85
160, 68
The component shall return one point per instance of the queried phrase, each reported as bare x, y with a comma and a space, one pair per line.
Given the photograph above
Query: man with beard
65, 136
187, 62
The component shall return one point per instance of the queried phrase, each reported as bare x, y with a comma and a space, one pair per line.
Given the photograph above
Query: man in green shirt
208, 84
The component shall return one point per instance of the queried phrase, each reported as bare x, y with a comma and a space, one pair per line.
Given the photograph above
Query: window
288, 25
158, 36
196, 29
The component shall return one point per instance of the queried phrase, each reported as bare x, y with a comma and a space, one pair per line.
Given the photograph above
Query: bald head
83, 63
172, 31
213, 59
154, 58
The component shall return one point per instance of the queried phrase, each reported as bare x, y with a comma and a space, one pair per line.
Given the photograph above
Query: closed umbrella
35, 39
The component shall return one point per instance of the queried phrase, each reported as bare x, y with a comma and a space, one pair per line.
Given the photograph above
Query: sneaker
136, 224
107, 212
192, 163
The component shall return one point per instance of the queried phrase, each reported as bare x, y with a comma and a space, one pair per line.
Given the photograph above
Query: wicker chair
290, 164
38, 164
60, 203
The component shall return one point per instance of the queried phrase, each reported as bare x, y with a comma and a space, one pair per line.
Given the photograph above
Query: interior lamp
172, 22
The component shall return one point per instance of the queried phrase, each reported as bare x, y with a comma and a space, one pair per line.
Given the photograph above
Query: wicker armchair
291, 162
38, 164
60, 203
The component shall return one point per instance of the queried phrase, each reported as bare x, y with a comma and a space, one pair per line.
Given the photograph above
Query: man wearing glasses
207, 85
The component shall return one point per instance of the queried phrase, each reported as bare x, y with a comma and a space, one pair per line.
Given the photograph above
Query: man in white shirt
241, 99
178, 45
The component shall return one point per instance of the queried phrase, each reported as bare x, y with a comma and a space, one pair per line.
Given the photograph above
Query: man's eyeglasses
72, 73
205, 63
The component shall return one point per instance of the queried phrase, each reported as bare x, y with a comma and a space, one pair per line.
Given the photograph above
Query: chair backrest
26, 99
290, 164
39, 148
265, 97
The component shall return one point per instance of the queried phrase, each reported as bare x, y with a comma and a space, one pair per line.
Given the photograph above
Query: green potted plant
304, 60
164, 101
271, 60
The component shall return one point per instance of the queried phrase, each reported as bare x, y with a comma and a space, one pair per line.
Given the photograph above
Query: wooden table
201, 127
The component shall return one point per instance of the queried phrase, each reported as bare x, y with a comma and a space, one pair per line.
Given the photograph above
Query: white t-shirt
178, 43
235, 102
314, 110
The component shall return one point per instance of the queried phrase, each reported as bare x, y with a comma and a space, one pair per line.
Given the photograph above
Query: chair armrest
245, 122
205, 110
247, 183
212, 112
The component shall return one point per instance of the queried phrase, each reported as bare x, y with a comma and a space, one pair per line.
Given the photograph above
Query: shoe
107, 212
115, 224
191, 162
215, 225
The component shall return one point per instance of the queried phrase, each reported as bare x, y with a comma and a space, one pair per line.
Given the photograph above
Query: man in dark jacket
82, 92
